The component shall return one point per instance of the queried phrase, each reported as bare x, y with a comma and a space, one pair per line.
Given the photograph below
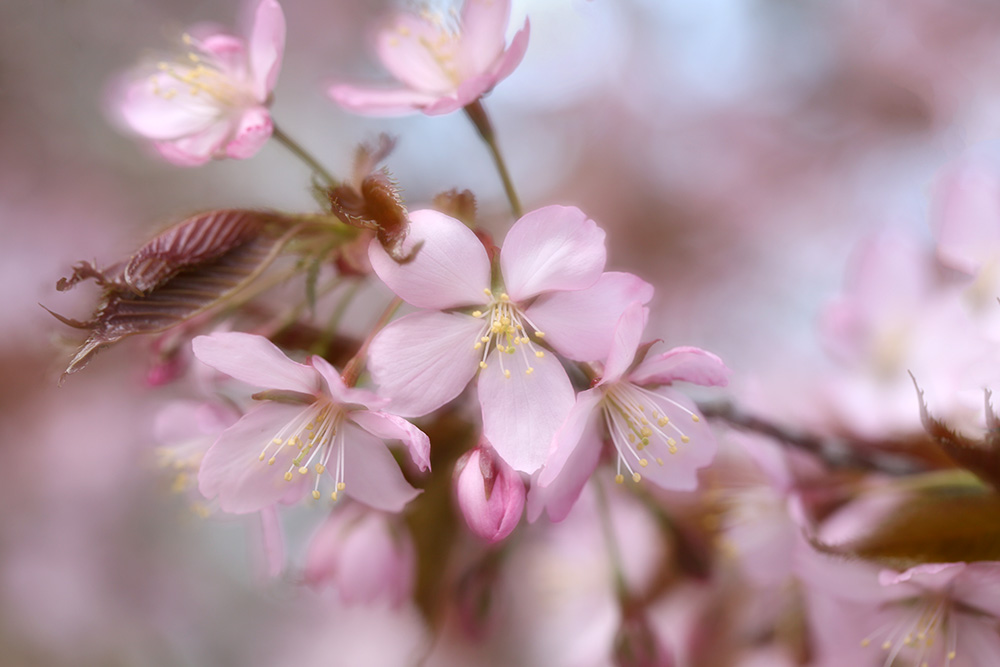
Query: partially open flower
444, 63
490, 494
213, 102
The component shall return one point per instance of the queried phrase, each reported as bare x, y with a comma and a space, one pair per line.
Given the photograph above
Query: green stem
481, 120
304, 155
353, 368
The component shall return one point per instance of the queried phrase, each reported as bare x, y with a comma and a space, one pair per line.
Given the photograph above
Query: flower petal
579, 420
450, 269
272, 541
390, 427
380, 101
423, 360
196, 149
558, 498
232, 470
484, 27
254, 360
522, 412
159, 107
552, 248
581, 324
417, 52
513, 56
251, 133
682, 364
340, 392
371, 474
267, 45
625, 342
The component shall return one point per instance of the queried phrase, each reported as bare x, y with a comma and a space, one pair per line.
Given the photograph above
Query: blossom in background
309, 424
490, 494
213, 102
552, 288
444, 63
656, 431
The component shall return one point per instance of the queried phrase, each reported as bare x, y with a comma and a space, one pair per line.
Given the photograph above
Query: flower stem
318, 169
614, 555
352, 371
477, 114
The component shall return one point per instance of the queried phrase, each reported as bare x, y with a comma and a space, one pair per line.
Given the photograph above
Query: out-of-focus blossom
444, 63
364, 554
490, 494
551, 285
311, 422
656, 431
212, 103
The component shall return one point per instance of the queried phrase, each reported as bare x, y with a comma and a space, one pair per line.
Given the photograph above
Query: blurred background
734, 150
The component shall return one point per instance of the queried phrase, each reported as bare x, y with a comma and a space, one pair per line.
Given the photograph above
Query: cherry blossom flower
444, 63
309, 424
550, 287
212, 103
490, 494
656, 431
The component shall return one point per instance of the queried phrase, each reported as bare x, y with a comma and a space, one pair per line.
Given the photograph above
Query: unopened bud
490, 494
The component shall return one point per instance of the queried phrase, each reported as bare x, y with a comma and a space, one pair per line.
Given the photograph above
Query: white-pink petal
450, 269
580, 324
250, 134
390, 427
558, 498
379, 101
159, 107
552, 248
197, 149
417, 52
522, 412
267, 46
625, 341
371, 474
682, 364
255, 360
423, 360
578, 422
484, 28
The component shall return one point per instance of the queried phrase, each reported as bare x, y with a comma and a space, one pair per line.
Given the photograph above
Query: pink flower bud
490, 494
364, 554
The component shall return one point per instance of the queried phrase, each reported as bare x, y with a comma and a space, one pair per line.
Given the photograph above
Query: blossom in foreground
658, 432
550, 287
212, 103
490, 494
444, 63
309, 424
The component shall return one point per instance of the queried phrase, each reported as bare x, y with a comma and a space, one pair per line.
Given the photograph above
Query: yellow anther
659, 461
186, 38
645, 432
487, 292
315, 494
303, 470
484, 339
641, 446
645, 442
695, 418
671, 442
193, 58
643, 462
261, 457
288, 476
477, 346
504, 297
636, 477
886, 646
663, 421
951, 655
642, 408
643, 420
506, 373
310, 426
685, 438
333, 495
865, 642
619, 479
539, 334
477, 313
482, 364
340, 486
631, 437
403, 30
277, 441
539, 354
529, 371
270, 461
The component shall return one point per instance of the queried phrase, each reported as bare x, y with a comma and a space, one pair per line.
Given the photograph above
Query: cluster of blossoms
571, 391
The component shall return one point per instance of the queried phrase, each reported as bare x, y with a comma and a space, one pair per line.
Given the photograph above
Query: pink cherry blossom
656, 431
364, 555
213, 102
444, 63
490, 494
551, 284
314, 425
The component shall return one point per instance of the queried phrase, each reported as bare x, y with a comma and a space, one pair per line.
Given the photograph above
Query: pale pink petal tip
682, 364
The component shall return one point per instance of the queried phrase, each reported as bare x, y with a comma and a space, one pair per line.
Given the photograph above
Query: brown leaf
182, 272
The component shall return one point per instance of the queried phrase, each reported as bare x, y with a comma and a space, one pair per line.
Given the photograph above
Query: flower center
917, 630
203, 77
315, 435
442, 45
503, 330
640, 428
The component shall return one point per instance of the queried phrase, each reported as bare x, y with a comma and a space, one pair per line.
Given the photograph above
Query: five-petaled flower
310, 423
550, 288
444, 63
212, 104
658, 432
